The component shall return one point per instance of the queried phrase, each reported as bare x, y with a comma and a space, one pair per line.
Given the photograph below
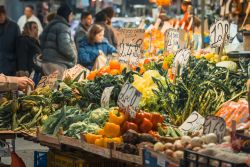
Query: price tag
129, 99
166, 26
106, 96
214, 124
193, 123
174, 40
161, 161
74, 72
182, 57
218, 32
48, 80
130, 45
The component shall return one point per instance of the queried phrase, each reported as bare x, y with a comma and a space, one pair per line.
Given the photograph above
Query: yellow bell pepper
99, 142
111, 130
116, 117
90, 138
116, 140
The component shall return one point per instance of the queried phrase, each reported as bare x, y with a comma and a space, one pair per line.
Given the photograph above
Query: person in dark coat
92, 46
9, 32
101, 18
27, 48
58, 47
83, 27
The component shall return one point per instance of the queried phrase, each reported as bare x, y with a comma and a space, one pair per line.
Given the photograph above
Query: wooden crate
48, 140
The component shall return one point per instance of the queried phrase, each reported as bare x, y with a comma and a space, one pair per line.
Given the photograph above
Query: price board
174, 40
193, 123
129, 99
214, 124
106, 96
74, 72
48, 80
130, 45
219, 32
182, 57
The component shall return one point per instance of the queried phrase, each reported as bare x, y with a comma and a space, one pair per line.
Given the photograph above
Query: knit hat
64, 11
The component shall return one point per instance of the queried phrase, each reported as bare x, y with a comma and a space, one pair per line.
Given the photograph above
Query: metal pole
202, 22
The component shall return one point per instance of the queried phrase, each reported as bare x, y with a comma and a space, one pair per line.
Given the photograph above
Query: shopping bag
100, 62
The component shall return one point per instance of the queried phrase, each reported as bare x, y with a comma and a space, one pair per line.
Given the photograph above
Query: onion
185, 140
169, 152
158, 146
196, 142
169, 146
178, 145
178, 155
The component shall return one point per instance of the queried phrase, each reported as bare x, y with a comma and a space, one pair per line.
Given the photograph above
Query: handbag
100, 62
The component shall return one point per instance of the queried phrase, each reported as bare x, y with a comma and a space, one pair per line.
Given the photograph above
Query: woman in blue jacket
91, 46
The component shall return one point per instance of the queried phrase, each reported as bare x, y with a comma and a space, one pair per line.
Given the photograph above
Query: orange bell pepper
99, 142
116, 140
111, 130
90, 138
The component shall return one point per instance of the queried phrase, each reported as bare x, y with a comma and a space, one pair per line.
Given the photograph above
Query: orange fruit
142, 70
146, 61
104, 70
92, 75
115, 72
114, 64
165, 66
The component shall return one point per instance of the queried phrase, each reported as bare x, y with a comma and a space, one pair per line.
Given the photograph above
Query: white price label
219, 32
166, 26
193, 123
129, 99
161, 161
214, 124
106, 96
174, 40
182, 57
130, 45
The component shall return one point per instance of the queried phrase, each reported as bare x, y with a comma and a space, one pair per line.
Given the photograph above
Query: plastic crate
194, 159
40, 159
150, 161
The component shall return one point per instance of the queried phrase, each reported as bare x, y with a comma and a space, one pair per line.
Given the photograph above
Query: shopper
58, 47
91, 46
83, 27
29, 16
110, 14
8, 83
27, 48
9, 32
101, 18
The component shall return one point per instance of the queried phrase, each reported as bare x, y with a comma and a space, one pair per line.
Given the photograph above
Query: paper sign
166, 26
161, 161
157, 23
218, 31
74, 72
129, 99
193, 123
233, 32
174, 40
214, 124
182, 57
48, 80
130, 45
106, 96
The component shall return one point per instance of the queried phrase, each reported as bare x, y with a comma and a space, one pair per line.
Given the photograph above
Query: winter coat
81, 31
9, 32
89, 52
27, 48
57, 44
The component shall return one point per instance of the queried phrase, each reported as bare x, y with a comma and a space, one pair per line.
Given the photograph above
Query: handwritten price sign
129, 99
130, 45
74, 72
193, 123
174, 40
219, 32
182, 57
106, 96
214, 124
48, 80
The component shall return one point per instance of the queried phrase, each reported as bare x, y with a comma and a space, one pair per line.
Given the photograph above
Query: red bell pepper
140, 116
129, 125
146, 125
156, 119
